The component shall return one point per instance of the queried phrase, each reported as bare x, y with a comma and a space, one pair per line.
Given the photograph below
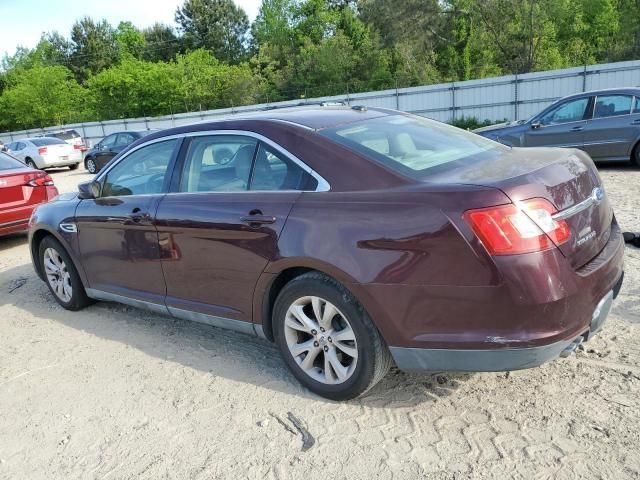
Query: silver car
604, 123
45, 152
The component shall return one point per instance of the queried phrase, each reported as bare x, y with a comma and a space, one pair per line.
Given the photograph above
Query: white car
45, 152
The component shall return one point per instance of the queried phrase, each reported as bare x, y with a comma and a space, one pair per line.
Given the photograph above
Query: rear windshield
41, 142
414, 146
9, 163
67, 135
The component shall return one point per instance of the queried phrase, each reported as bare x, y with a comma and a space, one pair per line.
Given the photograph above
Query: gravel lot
116, 392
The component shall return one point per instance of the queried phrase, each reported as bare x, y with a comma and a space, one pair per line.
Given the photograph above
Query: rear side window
412, 145
66, 135
274, 171
612, 106
41, 142
9, 163
218, 163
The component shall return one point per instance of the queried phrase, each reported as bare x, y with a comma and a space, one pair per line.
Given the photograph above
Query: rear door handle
258, 219
137, 215
577, 129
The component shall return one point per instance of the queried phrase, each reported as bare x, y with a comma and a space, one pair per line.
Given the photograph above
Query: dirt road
115, 392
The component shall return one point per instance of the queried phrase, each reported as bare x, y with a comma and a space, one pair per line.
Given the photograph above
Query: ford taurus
353, 238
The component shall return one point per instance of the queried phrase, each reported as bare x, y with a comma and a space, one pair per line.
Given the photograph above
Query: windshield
9, 163
41, 142
413, 145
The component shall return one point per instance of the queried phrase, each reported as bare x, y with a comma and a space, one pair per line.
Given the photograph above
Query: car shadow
622, 166
13, 240
208, 349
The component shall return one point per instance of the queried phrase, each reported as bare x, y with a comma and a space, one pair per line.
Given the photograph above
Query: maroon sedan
353, 238
21, 189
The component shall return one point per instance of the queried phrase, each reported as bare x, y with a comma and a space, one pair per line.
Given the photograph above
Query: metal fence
509, 97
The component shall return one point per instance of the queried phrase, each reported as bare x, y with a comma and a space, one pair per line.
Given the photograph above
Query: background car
21, 190
72, 137
45, 152
352, 237
604, 123
97, 157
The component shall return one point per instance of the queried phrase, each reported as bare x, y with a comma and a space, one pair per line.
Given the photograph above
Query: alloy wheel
321, 340
91, 166
57, 274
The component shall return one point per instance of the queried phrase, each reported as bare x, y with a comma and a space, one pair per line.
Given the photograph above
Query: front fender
46, 220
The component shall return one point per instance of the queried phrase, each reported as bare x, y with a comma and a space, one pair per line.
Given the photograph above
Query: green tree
94, 47
161, 43
43, 96
129, 40
135, 88
218, 25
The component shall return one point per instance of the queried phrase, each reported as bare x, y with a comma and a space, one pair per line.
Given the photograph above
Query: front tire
327, 339
90, 165
61, 275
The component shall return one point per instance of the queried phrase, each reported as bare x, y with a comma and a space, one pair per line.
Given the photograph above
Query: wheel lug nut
326, 349
330, 340
315, 344
322, 329
313, 332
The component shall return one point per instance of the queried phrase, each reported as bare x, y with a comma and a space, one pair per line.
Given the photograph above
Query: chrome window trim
323, 185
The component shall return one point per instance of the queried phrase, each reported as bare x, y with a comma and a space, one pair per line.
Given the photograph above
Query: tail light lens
524, 227
40, 179
42, 150
78, 147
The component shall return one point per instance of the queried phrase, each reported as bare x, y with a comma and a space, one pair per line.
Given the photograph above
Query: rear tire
90, 165
635, 156
61, 275
74, 166
347, 353
31, 164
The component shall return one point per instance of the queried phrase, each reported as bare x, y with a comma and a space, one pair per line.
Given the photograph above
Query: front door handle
577, 129
258, 219
636, 122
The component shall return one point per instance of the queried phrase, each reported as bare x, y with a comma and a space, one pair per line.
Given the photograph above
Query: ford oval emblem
597, 194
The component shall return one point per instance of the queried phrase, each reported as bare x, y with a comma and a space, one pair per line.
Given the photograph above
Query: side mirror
536, 125
88, 190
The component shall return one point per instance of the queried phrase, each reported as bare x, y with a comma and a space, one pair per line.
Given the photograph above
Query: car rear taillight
524, 227
40, 179
42, 150
78, 147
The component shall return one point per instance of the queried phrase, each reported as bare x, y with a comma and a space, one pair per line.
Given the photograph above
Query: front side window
571, 111
412, 145
142, 172
124, 139
218, 163
612, 106
274, 171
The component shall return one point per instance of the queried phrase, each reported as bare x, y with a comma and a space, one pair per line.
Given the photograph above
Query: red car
354, 238
21, 190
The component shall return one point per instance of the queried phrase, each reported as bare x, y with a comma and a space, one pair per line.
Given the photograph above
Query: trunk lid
567, 178
59, 150
15, 191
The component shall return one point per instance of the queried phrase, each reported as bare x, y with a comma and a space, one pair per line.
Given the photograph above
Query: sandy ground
115, 392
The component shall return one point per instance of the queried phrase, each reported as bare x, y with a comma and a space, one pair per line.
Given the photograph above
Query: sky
23, 21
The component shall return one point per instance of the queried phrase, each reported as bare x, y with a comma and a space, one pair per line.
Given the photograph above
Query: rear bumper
499, 360
48, 162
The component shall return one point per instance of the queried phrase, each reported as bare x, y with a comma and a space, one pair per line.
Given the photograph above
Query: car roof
315, 117
605, 91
